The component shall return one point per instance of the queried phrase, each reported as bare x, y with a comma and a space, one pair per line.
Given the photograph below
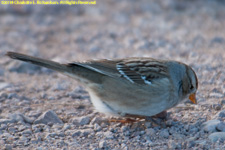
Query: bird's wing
135, 70
143, 71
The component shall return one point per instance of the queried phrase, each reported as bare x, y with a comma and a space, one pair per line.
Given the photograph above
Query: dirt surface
41, 109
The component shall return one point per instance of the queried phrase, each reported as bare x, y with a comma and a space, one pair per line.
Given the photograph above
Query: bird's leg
142, 117
154, 122
129, 119
126, 120
162, 115
150, 119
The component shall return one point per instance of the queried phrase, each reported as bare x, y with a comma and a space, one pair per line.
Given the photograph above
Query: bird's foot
126, 120
162, 115
136, 118
155, 123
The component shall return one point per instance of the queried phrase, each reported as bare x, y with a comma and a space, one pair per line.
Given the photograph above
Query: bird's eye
191, 88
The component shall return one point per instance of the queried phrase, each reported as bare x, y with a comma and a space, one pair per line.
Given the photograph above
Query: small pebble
210, 126
97, 127
150, 132
221, 127
76, 133
84, 120
216, 136
86, 132
221, 114
4, 85
216, 95
48, 117
102, 144
97, 120
164, 133
216, 107
222, 102
28, 131
108, 135
8, 147
6, 121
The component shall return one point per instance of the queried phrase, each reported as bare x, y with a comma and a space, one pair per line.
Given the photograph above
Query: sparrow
128, 87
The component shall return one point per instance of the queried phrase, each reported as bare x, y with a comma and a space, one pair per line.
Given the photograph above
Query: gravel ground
41, 109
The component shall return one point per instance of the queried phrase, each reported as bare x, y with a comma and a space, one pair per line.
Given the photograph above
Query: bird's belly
100, 105
117, 97
135, 103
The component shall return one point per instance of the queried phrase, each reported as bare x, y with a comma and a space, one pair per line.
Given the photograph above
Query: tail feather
38, 61
76, 71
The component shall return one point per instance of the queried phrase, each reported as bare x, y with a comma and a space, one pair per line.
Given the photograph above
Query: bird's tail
38, 61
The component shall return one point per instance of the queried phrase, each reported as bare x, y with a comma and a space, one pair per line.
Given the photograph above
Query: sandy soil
189, 31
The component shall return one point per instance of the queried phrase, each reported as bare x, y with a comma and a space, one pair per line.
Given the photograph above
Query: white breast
99, 105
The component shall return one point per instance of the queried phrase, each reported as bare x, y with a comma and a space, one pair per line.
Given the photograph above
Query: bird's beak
192, 97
